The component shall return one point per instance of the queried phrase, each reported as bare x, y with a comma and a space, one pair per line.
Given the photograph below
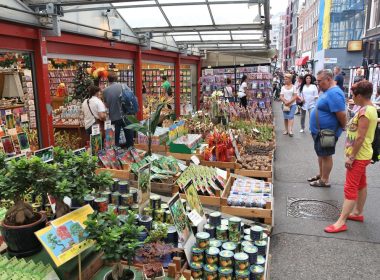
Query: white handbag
241, 94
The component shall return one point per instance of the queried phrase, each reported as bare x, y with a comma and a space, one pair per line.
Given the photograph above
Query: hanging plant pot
21, 240
128, 275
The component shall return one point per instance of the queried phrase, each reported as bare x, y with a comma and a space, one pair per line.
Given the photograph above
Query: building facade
276, 36
371, 40
290, 34
340, 22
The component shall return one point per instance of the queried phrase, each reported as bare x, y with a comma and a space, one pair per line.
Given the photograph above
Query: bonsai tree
148, 128
18, 178
115, 239
75, 177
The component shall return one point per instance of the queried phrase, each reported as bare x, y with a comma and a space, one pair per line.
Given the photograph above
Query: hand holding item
349, 161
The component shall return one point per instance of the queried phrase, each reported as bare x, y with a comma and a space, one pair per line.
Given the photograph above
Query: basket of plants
207, 181
249, 198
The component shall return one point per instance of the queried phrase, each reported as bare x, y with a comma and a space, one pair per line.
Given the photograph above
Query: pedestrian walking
307, 98
327, 122
288, 96
358, 153
297, 85
338, 78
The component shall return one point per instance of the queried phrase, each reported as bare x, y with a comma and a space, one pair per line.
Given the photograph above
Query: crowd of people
326, 102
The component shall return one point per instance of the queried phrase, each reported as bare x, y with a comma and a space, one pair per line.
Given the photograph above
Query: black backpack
169, 92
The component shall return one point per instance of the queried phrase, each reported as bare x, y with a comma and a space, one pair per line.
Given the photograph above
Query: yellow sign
326, 25
355, 46
66, 237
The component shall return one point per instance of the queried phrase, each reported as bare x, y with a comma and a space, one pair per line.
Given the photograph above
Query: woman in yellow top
358, 151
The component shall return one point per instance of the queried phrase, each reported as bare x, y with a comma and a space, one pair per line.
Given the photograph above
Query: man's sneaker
302, 131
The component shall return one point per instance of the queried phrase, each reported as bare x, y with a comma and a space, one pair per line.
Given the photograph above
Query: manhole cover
313, 209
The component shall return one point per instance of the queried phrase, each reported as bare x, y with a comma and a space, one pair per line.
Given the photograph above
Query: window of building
375, 15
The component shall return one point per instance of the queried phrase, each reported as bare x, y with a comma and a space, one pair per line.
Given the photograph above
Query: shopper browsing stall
229, 91
166, 87
358, 151
288, 96
327, 121
112, 100
242, 94
93, 109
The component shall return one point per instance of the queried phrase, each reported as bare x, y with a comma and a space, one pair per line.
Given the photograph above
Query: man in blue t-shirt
339, 79
331, 108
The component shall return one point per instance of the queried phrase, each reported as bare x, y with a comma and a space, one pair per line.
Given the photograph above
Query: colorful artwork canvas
66, 237
23, 142
8, 146
180, 219
96, 144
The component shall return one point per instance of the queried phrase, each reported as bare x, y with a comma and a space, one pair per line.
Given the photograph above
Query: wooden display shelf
246, 212
63, 126
206, 200
120, 174
11, 107
219, 164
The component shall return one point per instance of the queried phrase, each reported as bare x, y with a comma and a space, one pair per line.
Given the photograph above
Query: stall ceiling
221, 23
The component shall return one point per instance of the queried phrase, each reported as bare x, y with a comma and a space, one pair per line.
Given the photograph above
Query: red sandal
332, 229
359, 218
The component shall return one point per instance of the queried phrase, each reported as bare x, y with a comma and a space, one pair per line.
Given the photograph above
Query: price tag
222, 173
196, 160
107, 125
24, 118
95, 130
194, 217
255, 130
8, 112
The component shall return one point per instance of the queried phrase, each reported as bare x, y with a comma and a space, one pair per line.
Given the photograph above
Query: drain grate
313, 209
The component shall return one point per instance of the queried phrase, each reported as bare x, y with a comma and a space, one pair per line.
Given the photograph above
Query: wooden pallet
246, 212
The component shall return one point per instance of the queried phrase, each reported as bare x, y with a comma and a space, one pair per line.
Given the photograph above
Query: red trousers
356, 179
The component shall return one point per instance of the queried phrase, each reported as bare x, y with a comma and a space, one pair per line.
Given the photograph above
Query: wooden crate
161, 149
205, 200
254, 212
159, 188
120, 174
259, 174
219, 164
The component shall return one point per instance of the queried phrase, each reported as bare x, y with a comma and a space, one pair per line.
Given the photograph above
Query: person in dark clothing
112, 100
339, 79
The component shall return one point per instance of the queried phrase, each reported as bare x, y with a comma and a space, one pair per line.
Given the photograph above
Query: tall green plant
114, 238
148, 128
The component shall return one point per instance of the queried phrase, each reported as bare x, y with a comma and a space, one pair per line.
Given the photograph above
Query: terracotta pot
21, 240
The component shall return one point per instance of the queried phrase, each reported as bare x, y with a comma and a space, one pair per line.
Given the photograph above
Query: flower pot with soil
17, 179
115, 239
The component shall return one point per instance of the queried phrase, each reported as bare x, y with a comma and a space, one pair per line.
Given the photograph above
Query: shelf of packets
248, 197
21, 269
208, 181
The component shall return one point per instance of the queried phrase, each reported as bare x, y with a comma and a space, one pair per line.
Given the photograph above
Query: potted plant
17, 179
115, 239
148, 128
153, 271
75, 177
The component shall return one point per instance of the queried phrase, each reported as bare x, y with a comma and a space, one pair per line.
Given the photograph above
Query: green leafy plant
18, 178
157, 234
75, 177
148, 128
114, 238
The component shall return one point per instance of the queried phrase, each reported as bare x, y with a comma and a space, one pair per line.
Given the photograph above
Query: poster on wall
66, 237
8, 146
143, 187
186, 237
23, 141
